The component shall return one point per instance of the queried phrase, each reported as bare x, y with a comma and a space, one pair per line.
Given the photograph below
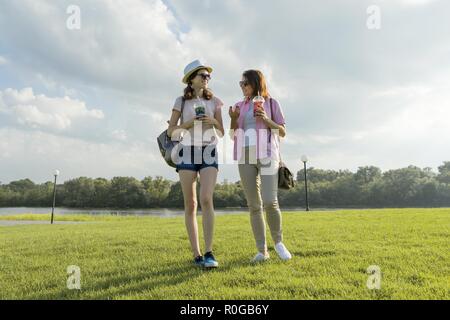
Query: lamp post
56, 174
304, 160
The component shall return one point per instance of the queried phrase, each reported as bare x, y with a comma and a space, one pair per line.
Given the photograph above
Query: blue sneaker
199, 261
210, 261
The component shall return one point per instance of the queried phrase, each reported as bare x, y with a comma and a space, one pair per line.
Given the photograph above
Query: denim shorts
197, 158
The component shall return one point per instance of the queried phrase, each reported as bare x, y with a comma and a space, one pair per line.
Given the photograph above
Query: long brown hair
189, 91
258, 82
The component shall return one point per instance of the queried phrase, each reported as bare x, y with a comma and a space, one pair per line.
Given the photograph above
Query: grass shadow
144, 281
314, 253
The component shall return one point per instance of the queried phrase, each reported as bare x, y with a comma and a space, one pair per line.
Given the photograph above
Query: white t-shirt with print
200, 134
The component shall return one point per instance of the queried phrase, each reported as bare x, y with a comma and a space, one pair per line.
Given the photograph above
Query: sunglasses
243, 83
205, 76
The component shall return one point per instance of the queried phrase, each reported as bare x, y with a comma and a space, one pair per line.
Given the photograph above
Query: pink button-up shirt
267, 142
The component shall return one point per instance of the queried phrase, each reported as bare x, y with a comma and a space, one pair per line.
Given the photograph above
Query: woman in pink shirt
257, 126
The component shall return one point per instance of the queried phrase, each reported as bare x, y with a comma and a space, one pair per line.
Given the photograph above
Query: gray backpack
170, 149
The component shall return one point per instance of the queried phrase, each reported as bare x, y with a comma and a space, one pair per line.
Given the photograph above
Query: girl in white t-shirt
200, 126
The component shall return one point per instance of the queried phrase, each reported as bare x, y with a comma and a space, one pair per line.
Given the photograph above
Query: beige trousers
259, 179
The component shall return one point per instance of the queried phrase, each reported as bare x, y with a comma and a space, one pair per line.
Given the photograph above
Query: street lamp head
304, 158
56, 173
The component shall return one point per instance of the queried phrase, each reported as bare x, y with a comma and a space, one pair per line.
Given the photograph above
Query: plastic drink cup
258, 102
199, 111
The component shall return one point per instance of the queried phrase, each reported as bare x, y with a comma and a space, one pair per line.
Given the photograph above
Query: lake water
140, 212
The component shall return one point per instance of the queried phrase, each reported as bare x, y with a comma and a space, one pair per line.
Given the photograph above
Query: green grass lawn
149, 258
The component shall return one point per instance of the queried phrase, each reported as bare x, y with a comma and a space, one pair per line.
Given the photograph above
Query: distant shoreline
166, 211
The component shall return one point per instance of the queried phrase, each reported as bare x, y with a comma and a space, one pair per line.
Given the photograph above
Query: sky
90, 101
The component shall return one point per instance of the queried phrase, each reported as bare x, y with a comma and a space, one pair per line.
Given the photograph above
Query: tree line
367, 187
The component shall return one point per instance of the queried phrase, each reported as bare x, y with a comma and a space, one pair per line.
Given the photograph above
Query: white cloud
121, 44
408, 92
416, 2
424, 115
416, 133
120, 135
39, 111
3, 60
351, 97
296, 139
37, 154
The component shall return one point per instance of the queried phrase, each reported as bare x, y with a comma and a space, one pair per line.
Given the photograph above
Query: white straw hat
192, 67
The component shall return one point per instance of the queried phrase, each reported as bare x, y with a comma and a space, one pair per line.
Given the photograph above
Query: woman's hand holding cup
261, 113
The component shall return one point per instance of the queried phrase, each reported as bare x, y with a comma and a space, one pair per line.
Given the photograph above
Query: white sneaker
260, 257
282, 251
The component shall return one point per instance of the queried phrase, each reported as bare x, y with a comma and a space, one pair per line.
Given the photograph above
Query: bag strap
183, 102
270, 137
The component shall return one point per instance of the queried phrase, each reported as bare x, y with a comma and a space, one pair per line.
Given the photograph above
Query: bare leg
208, 178
188, 180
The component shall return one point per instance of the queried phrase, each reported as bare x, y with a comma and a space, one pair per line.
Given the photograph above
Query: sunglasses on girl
243, 83
205, 76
